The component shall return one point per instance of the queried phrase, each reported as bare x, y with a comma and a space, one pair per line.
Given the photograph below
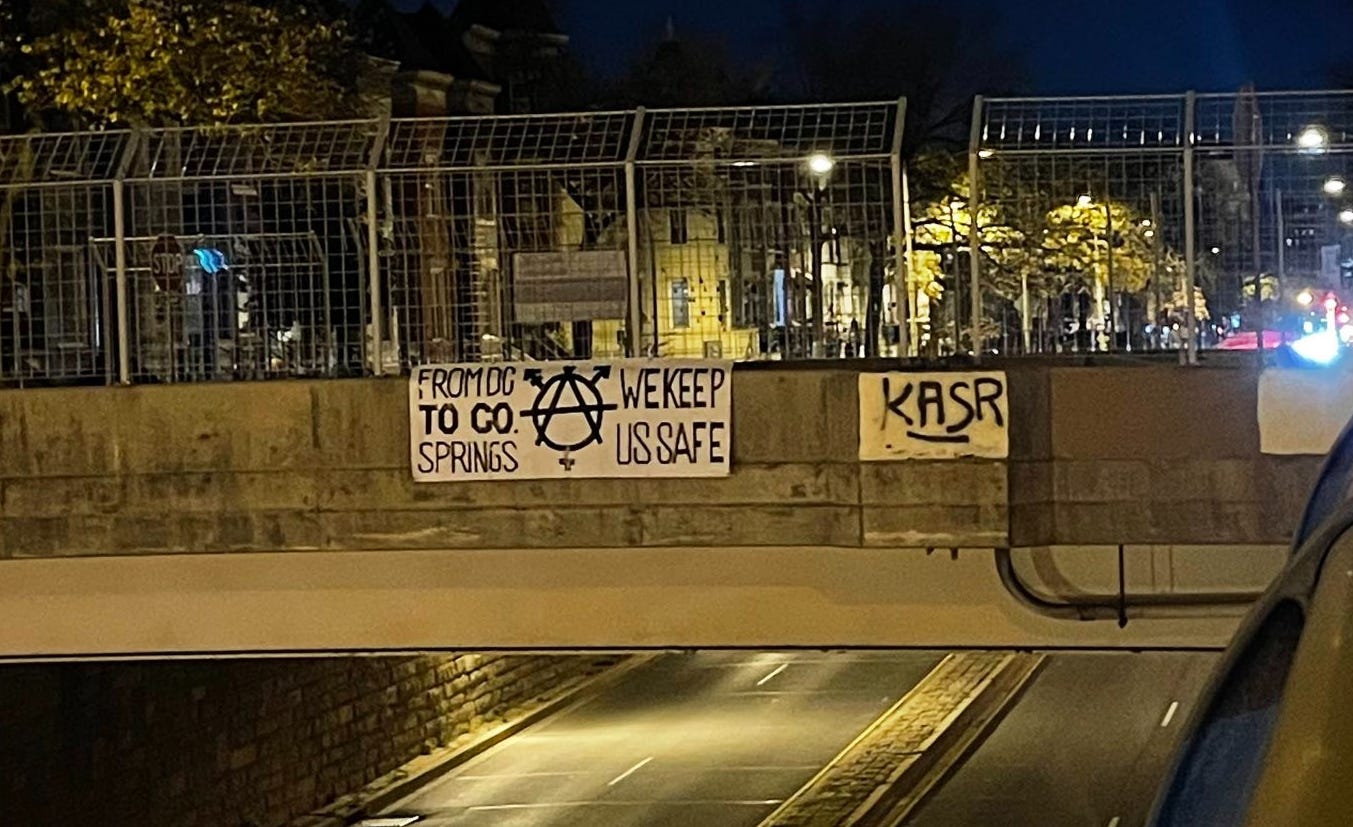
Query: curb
407, 780
893, 804
892, 801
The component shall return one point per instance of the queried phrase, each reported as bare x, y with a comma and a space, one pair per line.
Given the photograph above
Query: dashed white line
1169, 714
782, 667
631, 771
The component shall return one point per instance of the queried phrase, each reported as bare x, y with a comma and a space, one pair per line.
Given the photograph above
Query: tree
1106, 248
684, 71
172, 62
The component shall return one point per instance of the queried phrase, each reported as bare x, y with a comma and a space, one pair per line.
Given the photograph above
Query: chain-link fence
1098, 218
330, 249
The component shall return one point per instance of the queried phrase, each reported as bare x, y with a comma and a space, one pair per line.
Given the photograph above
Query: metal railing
1168, 222
369, 246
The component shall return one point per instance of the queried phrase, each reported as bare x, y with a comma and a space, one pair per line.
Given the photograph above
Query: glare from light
1150, 233
1320, 348
1346, 334
821, 164
1146, 222
1346, 216
1335, 185
1313, 139
1084, 201
744, 164
1305, 298
1216, 251
1308, 326
985, 153
1331, 303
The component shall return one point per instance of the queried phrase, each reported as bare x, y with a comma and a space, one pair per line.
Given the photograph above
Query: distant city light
1313, 139
985, 153
1320, 348
1335, 185
744, 163
1346, 216
1146, 222
821, 164
1305, 298
1084, 201
1216, 251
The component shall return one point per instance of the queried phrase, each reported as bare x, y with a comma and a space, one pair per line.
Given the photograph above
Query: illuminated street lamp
1335, 186
821, 164
1313, 139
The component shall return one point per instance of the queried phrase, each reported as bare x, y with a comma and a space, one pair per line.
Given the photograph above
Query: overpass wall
1147, 455
292, 466
239, 742
1152, 455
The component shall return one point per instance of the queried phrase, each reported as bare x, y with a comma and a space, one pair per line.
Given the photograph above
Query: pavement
1086, 745
704, 739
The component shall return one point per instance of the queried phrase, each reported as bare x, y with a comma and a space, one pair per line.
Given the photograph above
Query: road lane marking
1169, 714
782, 667
631, 771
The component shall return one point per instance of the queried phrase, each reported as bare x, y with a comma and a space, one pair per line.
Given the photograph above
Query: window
677, 218
681, 303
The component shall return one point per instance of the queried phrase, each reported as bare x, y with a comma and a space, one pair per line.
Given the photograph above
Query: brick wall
234, 743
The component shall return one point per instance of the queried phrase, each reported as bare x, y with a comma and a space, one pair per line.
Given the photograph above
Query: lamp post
820, 165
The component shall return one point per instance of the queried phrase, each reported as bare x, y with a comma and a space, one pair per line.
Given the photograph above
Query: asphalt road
698, 740
1085, 746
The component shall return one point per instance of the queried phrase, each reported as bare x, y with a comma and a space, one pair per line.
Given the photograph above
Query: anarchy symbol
568, 410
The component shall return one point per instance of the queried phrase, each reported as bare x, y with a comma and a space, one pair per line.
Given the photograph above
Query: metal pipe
124, 356
373, 267
901, 235
974, 242
634, 336
1117, 608
1189, 353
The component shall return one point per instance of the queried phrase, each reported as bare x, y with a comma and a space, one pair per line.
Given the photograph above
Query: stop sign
166, 263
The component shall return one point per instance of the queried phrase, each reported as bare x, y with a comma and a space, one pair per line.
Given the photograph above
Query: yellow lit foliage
165, 62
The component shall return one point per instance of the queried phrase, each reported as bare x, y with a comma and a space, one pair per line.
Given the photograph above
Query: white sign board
564, 420
1303, 411
933, 416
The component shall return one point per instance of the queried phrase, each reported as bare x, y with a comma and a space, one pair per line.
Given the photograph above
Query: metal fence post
373, 253
124, 356
1189, 354
901, 238
974, 242
121, 286
636, 316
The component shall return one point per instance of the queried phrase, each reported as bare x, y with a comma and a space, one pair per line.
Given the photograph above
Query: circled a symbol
568, 409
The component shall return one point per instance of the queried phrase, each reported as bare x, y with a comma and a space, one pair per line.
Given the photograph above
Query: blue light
1319, 348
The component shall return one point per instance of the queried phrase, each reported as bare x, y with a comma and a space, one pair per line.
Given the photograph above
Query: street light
1313, 139
821, 164
1346, 216
1335, 185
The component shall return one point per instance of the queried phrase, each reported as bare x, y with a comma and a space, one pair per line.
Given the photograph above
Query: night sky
1069, 47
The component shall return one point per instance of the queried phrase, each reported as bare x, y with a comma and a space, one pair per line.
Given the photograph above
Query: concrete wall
221, 744
1147, 455
325, 465
186, 493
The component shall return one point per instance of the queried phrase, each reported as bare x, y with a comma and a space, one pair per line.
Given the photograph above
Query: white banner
561, 420
933, 416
